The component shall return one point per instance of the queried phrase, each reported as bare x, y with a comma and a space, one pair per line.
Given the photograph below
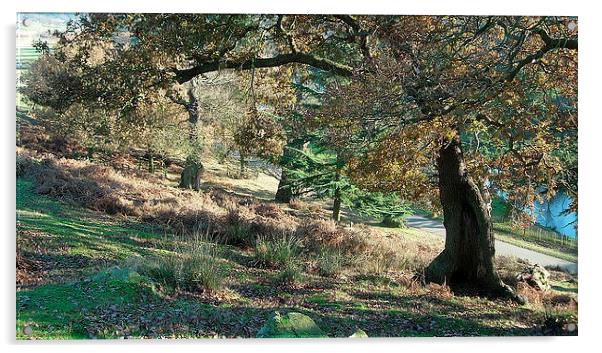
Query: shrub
23, 163
269, 210
559, 322
380, 261
322, 233
299, 205
164, 270
201, 272
276, 253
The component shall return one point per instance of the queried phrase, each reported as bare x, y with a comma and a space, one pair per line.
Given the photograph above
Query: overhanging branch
278, 60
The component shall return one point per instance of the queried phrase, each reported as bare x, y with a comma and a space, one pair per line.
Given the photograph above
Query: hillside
108, 253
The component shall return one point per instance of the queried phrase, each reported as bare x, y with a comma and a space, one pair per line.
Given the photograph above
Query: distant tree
319, 172
389, 207
142, 52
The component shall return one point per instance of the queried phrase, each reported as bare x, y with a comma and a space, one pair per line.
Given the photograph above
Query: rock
291, 325
359, 333
191, 176
536, 276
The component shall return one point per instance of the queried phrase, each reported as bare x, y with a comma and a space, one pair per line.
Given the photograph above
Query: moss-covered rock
359, 333
291, 325
536, 276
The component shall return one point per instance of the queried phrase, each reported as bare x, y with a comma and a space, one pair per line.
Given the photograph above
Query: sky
35, 26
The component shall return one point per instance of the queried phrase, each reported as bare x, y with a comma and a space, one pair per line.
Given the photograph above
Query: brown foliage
319, 233
229, 218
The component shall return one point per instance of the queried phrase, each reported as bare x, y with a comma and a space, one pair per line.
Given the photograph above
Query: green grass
81, 232
66, 311
539, 237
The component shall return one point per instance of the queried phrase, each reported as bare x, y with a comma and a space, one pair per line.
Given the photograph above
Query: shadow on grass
60, 238
112, 308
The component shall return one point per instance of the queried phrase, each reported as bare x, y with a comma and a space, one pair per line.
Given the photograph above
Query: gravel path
501, 248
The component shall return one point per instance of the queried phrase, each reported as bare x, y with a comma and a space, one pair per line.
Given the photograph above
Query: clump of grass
289, 274
276, 253
379, 260
297, 204
559, 322
192, 267
440, 290
269, 210
323, 233
237, 230
329, 262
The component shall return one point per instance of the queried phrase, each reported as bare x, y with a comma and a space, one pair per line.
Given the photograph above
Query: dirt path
501, 248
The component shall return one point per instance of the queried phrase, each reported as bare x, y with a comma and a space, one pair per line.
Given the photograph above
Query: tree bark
468, 260
192, 173
192, 176
336, 207
186, 75
285, 193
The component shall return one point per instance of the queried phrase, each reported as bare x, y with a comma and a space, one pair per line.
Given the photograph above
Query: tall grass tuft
329, 262
192, 266
289, 274
276, 253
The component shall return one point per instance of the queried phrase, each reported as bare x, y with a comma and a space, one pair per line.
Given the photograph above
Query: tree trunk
336, 208
192, 173
285, 193
191, 176
468, 260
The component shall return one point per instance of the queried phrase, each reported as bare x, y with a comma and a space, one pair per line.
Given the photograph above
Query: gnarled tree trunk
192, 173
191, 176
468, 259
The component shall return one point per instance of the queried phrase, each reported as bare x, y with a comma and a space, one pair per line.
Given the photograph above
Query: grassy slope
84, 295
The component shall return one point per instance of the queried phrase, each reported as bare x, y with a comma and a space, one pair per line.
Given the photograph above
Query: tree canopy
442, 108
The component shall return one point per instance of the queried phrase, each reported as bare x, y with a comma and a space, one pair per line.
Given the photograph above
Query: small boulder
536, 276
359, 333
291, 325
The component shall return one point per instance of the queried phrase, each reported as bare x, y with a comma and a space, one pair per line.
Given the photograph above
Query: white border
589, 179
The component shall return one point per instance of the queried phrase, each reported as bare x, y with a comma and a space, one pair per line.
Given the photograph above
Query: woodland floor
73, 281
